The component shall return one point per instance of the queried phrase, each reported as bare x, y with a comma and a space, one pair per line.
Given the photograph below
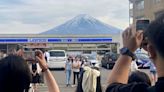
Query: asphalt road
60, 78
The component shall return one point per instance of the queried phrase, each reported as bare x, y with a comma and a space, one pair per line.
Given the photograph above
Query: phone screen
142, 25
29, 55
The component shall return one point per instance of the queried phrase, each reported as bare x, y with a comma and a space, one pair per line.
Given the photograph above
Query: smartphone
142, 24
29, 55
37, 53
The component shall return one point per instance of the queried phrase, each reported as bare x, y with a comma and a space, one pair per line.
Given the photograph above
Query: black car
108, 60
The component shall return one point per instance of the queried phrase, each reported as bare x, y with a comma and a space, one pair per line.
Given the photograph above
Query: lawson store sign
55, 40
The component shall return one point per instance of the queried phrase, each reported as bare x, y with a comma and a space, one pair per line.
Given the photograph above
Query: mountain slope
83, 25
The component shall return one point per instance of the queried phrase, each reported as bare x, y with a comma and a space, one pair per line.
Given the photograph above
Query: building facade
145, 9
64, 42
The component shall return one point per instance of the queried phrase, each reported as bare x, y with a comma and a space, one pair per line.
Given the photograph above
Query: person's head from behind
70, 58
14, 74
155, 37
139, 77
89, 81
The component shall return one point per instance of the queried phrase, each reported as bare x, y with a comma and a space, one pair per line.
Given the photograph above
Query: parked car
91, 59
108, 60
142, 59
57, 58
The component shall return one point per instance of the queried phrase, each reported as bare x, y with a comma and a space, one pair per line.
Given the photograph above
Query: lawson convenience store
65, 42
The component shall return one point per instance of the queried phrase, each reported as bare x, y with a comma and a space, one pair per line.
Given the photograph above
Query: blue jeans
68, 76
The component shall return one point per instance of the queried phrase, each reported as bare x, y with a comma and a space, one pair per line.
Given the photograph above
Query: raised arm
120, 72
50, 80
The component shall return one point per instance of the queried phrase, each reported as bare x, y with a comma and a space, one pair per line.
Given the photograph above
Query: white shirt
47, 54
76, 66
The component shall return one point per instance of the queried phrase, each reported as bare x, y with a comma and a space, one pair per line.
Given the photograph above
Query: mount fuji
83, 25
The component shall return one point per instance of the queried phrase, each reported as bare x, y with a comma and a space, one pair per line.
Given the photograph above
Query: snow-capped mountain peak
81, 25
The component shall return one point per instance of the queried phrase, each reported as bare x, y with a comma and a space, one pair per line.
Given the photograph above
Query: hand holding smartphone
37, 53
40, 58
29, 55
142, 25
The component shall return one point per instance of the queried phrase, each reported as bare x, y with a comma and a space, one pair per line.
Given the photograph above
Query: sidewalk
63, 88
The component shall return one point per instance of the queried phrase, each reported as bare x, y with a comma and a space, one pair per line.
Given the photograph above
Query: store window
140, 5
139, 17
3, 47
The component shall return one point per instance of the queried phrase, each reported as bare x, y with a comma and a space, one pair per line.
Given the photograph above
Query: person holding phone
131, 41
49, 78
15, 74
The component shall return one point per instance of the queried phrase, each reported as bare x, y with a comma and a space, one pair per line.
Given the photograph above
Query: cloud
43, 14
10, 2
110, 21
19, 28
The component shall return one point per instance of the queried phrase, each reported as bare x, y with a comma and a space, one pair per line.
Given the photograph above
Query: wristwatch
126, 51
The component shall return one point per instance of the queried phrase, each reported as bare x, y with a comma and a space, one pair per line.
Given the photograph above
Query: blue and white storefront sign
13, 40
55, 40
37, 40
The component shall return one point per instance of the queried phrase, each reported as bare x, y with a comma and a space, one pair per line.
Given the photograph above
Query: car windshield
111, 55
90, 58
57, 53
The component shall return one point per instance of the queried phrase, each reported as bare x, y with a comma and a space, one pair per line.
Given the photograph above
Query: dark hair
70, 59
79, 86
138, 76
155, 34
14, 74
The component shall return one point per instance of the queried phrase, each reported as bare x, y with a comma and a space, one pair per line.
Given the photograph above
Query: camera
142, 24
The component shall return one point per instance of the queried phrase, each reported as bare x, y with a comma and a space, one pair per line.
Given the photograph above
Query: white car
56, 59
93, 61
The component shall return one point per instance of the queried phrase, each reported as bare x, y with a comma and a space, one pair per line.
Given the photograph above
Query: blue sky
35, 16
